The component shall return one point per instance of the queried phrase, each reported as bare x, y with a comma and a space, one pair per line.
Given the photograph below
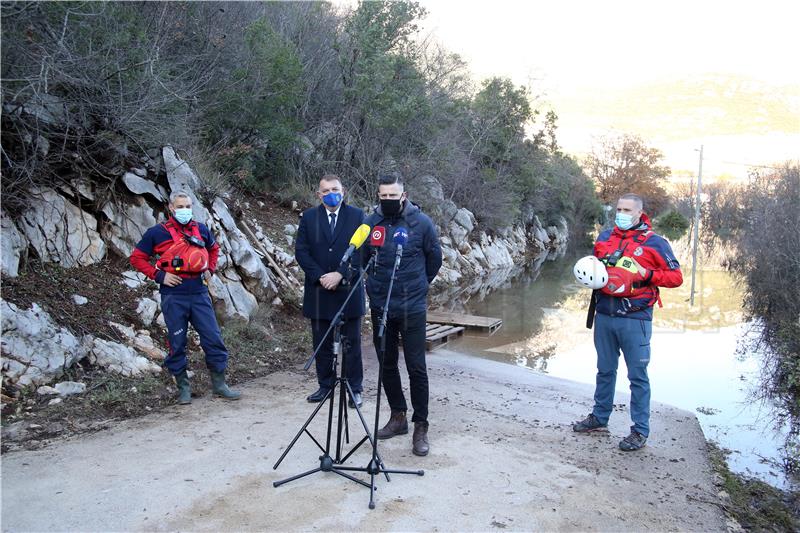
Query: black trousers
412, 330
354, 368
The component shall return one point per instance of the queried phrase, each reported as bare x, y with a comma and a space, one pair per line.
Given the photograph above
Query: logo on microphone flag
378, 236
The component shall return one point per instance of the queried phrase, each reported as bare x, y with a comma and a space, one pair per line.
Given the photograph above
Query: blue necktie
333, 222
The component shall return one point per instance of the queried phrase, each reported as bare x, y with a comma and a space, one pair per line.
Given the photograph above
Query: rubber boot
397, 425
221, 388
184, 388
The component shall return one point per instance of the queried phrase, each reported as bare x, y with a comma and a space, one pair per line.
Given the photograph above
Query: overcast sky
620, 42
570, 51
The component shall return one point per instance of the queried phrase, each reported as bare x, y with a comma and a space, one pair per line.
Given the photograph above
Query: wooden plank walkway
471, 322
437, 335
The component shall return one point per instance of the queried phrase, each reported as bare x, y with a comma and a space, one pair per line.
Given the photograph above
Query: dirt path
502, 457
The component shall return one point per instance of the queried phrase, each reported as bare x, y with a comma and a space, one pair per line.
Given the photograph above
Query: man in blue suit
322, 239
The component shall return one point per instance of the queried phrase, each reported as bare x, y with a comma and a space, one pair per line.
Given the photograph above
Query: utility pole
696, 223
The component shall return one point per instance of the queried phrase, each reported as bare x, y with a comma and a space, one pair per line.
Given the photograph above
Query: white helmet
590, 272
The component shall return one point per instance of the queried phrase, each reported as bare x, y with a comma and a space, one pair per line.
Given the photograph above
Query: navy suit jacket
318, 252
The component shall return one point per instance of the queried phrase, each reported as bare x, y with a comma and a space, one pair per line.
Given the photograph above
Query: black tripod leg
298, 476
351, 478
302, 429
369, 436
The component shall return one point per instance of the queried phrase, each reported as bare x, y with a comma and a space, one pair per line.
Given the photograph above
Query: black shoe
355, 399
590, 423
634, 441
318, 396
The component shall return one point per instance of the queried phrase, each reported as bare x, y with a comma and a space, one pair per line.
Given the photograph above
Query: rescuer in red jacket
186, 255
638, 262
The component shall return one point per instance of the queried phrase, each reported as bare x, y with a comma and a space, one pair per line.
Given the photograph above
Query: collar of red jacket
643, 226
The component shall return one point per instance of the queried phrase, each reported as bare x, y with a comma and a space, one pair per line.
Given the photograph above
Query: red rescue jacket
629, 293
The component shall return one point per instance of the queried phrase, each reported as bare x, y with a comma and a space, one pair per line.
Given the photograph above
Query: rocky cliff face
81, 223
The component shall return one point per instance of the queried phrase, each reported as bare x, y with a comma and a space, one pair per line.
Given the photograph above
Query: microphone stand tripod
327, 462
376, 466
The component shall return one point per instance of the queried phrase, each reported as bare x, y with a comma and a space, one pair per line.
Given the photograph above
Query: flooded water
694, 361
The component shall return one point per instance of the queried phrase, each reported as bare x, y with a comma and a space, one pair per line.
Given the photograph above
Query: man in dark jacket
639, 262
322, 239
187, 254
407, 314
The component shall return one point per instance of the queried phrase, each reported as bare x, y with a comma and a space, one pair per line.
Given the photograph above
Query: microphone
400, 239
378, 236
356, 241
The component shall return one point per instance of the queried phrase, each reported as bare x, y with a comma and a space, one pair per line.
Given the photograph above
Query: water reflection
694, 362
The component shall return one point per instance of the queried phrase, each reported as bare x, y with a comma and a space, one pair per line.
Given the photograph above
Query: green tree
253, 116
672, 225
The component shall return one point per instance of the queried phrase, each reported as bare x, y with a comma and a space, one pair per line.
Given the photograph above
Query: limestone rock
231, 300
126, 331
60, 232
145, 344
133, 279
465, 219
35, 349
147, 310
127, 225
68, 388
121, 359
139, 185
12, 244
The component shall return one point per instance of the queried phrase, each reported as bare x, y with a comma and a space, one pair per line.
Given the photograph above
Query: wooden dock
443, 327
470, 322
437, 335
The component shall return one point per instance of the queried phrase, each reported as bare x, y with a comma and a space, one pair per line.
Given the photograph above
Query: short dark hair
635, 197
389, 179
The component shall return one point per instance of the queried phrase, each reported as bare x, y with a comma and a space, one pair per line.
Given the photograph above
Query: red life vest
624, 280
185, 258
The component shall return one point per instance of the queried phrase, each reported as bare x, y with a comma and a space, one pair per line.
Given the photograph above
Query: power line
744, 164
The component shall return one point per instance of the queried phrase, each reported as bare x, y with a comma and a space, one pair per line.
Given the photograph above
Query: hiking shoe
590, 423
632, 442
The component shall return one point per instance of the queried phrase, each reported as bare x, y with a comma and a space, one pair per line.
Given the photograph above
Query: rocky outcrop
469, 253
74, 226
37, 351
127, 224
61, 232
136, 183
12, 244
120, 359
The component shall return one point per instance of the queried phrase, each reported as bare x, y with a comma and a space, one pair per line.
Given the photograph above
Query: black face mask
391, 208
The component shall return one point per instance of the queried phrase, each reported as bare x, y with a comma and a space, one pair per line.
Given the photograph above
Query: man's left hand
330, 280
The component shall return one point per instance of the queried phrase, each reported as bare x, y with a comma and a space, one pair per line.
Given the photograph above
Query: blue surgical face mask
332, 199
183, 215
623, 221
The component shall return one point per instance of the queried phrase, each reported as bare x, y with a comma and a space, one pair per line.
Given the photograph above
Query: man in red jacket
638, 263
187, 256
